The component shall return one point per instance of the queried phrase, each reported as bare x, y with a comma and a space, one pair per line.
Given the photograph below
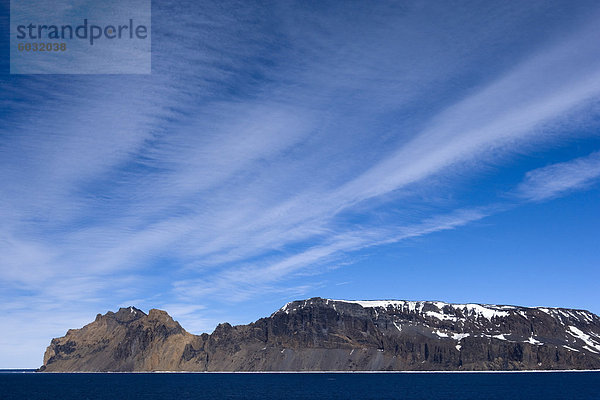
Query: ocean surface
20, 384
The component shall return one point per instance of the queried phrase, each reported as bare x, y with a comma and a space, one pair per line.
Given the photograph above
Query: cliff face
320, 334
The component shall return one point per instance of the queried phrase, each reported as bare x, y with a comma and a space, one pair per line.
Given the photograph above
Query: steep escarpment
321, 334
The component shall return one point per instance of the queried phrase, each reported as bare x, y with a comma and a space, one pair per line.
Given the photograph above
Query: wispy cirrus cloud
560, 179
238, 284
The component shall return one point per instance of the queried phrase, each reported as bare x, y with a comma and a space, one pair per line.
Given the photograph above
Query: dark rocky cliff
319, 334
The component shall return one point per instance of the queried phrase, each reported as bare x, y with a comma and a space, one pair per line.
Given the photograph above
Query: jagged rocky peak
162, 316
325, 334
126, 340
126, 314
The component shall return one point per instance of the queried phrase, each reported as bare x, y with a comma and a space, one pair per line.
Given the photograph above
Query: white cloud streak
561, 178
239, 284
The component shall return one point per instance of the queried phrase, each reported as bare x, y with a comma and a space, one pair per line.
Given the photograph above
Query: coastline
309, 372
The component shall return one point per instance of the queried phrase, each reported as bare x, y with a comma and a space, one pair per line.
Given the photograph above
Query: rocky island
339, 335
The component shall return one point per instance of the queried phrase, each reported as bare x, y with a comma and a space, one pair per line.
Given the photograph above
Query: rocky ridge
339, 335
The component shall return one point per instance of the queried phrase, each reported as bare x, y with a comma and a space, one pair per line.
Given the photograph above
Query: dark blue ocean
406, 386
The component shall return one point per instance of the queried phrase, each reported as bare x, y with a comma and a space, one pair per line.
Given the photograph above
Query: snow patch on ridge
452, 335
411, 306
486, 311
591, 344
531, 340
440, 316
588, 348
460, 336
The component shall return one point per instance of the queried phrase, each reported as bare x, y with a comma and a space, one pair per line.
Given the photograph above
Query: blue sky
356, 150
